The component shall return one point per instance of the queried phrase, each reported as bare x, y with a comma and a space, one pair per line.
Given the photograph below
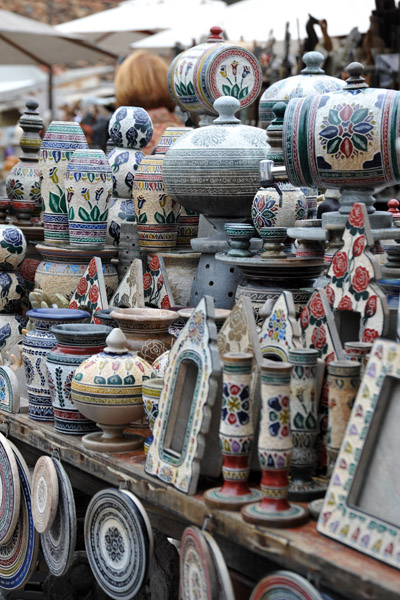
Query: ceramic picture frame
280, 331
157, 290
90, 293
361, 504
189, 406
9, 390
130, 293
318, 327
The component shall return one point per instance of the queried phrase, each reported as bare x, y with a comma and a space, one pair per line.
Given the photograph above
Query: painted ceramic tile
280, 331
91, 290
130, 292
157, 291
9, 390
353, 273
190, 406
341, 518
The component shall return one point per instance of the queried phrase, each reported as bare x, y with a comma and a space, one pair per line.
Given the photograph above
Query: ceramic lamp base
112, 439
258, 515
305, 491
215, 499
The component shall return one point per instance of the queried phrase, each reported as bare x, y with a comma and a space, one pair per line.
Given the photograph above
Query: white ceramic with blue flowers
88, 187
12, 247
130, 127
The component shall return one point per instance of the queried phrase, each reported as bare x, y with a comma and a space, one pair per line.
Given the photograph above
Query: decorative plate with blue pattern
10, 491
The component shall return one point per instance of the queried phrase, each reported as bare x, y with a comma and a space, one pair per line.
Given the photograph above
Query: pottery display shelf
343, 572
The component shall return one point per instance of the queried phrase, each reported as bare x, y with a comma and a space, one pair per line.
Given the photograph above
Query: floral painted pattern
234, 76
90, 294
235, 404
348, 130
279, 418
156, 287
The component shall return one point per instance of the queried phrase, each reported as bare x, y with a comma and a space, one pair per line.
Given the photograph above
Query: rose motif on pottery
359, 245
345, 303
318, 338
304, 317
316, 307
370, 307
331, 294
356, 218
360, 280
369, 335
279, 417
339, 266
347, 131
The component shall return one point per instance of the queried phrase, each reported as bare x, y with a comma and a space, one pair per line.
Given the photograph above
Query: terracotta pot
146, 330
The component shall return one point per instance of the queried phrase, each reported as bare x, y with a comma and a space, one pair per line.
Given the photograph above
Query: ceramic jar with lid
88, 186
200, 75
75, 343
277, 203
311, 81
214, 170
36, 345
107, 388
62, 138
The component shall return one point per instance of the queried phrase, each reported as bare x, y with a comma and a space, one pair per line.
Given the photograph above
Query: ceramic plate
198, 576
119, 542
18, 557
285, 585
225, 589
10, 491
44, 494
58, 544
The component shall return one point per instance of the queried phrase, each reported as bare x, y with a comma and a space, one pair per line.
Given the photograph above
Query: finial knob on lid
226, 107
393, 207
313, 62
216, 34
116, 342
356, 80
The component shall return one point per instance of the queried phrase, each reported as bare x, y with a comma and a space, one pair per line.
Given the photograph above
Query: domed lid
64, 135
84, 160
311, 81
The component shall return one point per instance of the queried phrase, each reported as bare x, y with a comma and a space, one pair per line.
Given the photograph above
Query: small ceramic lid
44, 494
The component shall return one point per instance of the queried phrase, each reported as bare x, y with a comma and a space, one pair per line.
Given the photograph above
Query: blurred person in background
141, 80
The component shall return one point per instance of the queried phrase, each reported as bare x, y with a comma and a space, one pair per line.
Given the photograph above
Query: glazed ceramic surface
130, 292
169, 137
191, 377
146, 330
181, 268
160, 364
130, 127
214, 170
11, 491
18, 556
198, 576
200, 75
280, 331
312, 81
11, 327
285, 585
12, 291
119, 542
225, 588
36, 345
354, 272
44, 494
9, 390
90, 293
124, 163
88, 187
74, 345
151, 392
156, 287
62, 268
318, 327
62, 138
12, 247
120, 210
58, 544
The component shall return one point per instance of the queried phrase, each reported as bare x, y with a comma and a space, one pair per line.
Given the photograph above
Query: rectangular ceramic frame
364, 486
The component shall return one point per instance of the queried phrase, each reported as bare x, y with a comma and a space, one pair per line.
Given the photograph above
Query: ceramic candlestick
273, 241
236, 435
274, 450
239, 236
358, 351
304, 425
343, 381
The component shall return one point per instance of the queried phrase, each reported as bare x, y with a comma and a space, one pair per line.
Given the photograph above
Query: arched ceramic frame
280, 331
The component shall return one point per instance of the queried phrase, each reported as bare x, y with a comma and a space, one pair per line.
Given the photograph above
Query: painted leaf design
299, 421
183, 89
363, 127
54, 202
142, 218
334, 117
159, 218
311, 422
360, 142
90, 177
235, 91
63, 202
346, 147
333, 145
95, 213
226, 90
71, 213
104, 216
243, 93
329, 132
83, 214
190, 89
359, 115
170, 217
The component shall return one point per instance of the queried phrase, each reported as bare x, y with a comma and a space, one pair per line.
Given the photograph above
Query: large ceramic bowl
146, 330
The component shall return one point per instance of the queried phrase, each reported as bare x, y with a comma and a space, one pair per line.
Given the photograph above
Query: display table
248, 549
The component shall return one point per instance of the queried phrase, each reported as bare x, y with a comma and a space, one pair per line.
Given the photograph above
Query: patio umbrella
26, 41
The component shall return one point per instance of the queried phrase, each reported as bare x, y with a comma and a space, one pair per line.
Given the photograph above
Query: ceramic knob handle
216, 34
279, 111
226, 107
313, 62
356, 80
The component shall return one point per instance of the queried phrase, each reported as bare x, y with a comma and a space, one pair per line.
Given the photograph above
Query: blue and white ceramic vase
36, 345
62, 138
12, 253
88, 186
130, 131
75, 343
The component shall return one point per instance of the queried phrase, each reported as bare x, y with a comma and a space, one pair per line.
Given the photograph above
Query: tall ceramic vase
275, 450
36, 345
304, 425
88, 186
62, 138
343, 381
75, 343
236, 435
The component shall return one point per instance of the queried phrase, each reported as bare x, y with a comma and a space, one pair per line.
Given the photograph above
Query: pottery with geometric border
107, 388
62, 138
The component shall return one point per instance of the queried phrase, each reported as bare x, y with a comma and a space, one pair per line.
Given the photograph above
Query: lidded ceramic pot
214, 170
277, 203
35, 347
62, 138
88, 187
311, 81
75, 343
107, 388
146, 330
200, 75
23, 181
344, 139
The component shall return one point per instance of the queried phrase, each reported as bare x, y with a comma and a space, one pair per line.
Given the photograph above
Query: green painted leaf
142, 218
63, 202
359, 115
104, 215
90, 177
54, 203
360, 142
299, 421
190, 89
333, 117
71, 213
159, 218
333, 145
170, 217
83, 214
235, 91
226, 90
243, 93
311, 423
183, 89
95, 213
